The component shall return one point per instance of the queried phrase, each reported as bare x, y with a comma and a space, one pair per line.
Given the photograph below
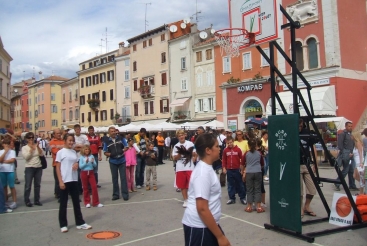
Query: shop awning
179, 102
323, 100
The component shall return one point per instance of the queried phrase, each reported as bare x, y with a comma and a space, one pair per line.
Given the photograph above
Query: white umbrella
127, 128
214, 124
166, 126
147, 126
188, 125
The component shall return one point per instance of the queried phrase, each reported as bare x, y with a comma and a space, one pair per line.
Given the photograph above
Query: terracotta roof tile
55, 78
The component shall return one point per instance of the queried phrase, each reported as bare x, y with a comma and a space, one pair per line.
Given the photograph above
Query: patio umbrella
166, 126
215, 124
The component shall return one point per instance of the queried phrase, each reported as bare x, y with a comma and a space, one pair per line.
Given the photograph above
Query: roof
69, 81
53, 77
148, 33
2, 48
96, 57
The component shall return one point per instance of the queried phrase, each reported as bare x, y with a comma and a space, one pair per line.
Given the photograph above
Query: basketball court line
107, 205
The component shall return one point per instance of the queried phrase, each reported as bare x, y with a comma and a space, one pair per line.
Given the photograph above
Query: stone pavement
149, 218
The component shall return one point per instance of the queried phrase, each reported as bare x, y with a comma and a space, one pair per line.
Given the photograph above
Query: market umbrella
215, 124
167, 126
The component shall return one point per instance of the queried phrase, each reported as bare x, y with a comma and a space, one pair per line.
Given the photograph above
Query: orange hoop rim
242, 31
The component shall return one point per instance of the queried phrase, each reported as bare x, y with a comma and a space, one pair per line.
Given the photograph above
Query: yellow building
97, 90
16, 111
5, 76
70, 103
44, 101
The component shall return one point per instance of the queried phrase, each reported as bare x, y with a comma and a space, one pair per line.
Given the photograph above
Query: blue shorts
7, 179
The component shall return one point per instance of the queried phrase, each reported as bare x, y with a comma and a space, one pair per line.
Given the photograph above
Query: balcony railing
126, 119
181, 115
146, 90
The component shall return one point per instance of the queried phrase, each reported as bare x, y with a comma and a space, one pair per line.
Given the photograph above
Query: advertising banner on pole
284, 154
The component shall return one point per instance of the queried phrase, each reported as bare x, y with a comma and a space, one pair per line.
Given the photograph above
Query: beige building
123, 101
70, 103
44, 101
5, 77
97, 87
16, 112
149, 75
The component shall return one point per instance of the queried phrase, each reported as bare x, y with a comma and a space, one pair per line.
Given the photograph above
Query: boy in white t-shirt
7, 159
185, 164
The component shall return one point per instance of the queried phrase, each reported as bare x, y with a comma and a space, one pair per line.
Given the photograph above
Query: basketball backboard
256, 16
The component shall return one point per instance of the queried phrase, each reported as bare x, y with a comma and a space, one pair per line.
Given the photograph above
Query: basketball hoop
231, 40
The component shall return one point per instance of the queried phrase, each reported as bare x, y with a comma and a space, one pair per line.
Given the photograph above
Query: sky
55, 36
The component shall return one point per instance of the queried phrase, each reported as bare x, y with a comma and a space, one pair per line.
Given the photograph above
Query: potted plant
117, 116
144, 90
93, 102
128, 120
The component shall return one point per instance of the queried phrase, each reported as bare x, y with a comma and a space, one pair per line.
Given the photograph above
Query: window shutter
146, 105
214, 107
196, 105
164, 79
152, 81
167, 105
151, 107
141, 82
161, 105
206, 104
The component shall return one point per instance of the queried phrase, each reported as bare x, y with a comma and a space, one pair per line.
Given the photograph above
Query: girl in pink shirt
130, 156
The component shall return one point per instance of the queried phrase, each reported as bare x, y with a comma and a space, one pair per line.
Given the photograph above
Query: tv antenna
145, 20
106, 39
101, 45
197, 12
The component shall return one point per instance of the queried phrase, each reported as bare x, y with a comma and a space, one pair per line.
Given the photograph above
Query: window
127, 77
208, 54
104, 115
30, 114
151, 107
127, 92
183, 63
183, 44
63, 98
313, 61
247, 63
146, 107
81, 83
70, 96
88, 96
136, 109
226, 64
76, 94
127, 62
52, 97
264, 63
199, 105
89, 81
30, 101
199, 79
95, 95
83, 67
54, 122
198, 56
134, 66
82, 117
163, 37
150, 42
211, 103
209, 77
135, 85
110, 75
82, 100
96, 117
164, 106
70, 115
164, 78
163, 57
95, 79
89, 119
184, 84
134, 47
144, 44
76, 114
299, 56
90, 64
103, 96
112, 115
63, 115
53, 108
43, 108
102, 77
43, 98
111, 94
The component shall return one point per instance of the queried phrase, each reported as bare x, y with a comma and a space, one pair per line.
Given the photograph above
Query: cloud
54, 37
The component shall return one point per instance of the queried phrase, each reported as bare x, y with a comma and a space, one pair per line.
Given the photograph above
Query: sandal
260, 210
309, 213
248, 209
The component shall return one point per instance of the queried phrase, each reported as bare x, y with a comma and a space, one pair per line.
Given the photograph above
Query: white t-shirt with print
7, 167
204, 183
67, 157
180, 166
81, 140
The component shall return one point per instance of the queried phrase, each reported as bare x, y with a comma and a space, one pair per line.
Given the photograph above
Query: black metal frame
310, 237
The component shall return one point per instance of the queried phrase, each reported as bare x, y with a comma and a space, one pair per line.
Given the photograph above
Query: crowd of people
243, 157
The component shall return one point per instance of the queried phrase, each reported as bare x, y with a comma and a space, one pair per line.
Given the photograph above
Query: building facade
5, 78
149, 75
16, 105
44, 101
25, 105
97, 87
69, 103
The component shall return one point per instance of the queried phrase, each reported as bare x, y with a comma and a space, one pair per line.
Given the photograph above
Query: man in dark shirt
305, 157
346, 146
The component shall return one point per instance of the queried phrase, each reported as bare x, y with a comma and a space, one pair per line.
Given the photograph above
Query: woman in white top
201, 218
33, 169
358, 158
67, 174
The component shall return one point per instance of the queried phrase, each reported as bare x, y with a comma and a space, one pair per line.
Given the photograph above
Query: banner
285, 189
341, 210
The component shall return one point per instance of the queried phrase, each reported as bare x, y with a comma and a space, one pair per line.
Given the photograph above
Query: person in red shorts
184, 153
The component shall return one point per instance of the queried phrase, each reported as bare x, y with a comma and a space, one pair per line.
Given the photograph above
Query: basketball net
231, 40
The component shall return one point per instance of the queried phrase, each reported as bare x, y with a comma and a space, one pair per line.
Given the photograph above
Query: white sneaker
263, 205
185, 204
64, 229
100, 205
8, 210
13, 205
84, 227
87, 206
138, 186
266, 179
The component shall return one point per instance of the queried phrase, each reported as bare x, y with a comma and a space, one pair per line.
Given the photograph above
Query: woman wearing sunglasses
33, 170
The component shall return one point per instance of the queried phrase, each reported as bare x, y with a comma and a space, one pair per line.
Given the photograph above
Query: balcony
146, 91
93, 103
181, 115
124, 120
